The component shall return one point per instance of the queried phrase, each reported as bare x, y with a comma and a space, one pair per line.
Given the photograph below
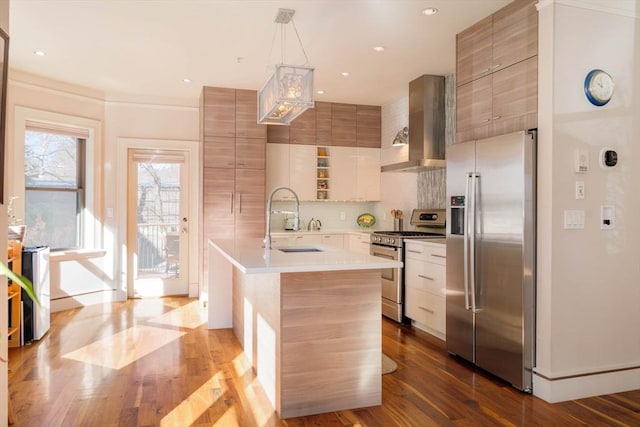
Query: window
54, 166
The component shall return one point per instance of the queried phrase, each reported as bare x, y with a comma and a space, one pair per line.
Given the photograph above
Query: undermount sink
299, 249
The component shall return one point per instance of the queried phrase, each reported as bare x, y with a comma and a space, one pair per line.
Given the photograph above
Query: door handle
426, 277
231, 202
474, 181
240, 202
465, 252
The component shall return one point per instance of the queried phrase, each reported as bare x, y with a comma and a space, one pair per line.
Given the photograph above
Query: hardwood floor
153, 362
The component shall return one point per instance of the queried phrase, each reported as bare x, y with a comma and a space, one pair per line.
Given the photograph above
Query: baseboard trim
588, 385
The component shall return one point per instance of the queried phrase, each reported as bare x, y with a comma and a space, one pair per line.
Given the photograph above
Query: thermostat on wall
608, 158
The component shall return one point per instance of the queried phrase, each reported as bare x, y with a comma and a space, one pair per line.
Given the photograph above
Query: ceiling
145, 48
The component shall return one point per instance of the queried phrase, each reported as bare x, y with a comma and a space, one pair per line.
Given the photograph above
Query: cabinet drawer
434, 253
358, 243
425, 276
334, 240
426, 308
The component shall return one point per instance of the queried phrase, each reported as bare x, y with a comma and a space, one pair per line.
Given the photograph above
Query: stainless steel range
390, 245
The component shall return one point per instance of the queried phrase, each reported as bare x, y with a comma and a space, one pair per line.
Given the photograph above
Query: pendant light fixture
289, 91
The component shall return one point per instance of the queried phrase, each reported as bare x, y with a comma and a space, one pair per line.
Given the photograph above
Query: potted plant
23, 282
16, 230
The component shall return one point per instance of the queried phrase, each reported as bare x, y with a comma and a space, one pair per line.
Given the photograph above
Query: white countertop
250, 257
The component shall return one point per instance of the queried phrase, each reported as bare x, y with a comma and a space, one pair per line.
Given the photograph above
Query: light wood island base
314, 338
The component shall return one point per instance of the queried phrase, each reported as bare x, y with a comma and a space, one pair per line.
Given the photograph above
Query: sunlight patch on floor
241, 364
125, 347
190, 409
191, 315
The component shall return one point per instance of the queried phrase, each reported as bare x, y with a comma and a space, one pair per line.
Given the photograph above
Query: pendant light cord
293, 22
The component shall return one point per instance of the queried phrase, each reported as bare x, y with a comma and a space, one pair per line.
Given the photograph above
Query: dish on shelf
366, 220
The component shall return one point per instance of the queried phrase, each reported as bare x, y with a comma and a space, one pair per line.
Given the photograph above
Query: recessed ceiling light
320, 92
345, 74
186, 80
39, 53
379, 48
429, 11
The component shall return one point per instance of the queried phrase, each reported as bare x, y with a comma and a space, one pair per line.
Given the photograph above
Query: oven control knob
392, 241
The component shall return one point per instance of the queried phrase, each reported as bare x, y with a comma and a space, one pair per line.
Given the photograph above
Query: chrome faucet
296, 221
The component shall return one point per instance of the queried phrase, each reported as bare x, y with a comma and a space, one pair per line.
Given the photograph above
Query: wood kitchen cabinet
497, 73
368, 124
502, 102
323, 123
343, 125
500, 40
301, 131
303, 128
425, 286
233, 201
218, 111
347, 125
234, 157
246, 109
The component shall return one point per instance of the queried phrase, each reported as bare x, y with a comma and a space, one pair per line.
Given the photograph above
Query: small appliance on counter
289, 224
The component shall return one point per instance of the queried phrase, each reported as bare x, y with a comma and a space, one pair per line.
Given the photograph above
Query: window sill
77, 254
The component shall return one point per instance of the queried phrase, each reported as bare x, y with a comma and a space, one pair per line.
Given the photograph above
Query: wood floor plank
202, 378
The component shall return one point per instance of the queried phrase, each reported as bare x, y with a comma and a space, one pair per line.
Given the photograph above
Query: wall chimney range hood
426, 126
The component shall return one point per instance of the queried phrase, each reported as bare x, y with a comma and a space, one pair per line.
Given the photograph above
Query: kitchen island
309, 322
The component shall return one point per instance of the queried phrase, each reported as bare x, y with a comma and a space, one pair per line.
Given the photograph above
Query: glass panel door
158, 232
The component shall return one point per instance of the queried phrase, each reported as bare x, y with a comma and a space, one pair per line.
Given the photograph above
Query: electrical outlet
343, 216
579, 190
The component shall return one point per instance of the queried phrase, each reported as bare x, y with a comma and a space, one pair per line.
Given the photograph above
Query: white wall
101, 276
398, 190
588, 293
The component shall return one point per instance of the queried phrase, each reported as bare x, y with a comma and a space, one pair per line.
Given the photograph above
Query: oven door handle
379, 255
465, 255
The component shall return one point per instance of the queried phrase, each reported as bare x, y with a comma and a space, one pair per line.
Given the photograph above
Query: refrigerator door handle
472, 253
465, 255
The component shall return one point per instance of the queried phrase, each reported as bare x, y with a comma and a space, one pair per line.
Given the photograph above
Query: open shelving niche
322, 172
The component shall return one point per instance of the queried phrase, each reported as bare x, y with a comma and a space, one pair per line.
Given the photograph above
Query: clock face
598, 87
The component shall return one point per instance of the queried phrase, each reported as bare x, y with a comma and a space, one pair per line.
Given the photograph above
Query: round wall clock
598, 86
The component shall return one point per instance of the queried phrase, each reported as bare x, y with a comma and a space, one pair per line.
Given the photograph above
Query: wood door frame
192, 148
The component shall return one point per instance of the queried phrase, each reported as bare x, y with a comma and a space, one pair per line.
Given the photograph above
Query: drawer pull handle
414, 252
438, 256
426, 309
496, 117
493, 67
426, 277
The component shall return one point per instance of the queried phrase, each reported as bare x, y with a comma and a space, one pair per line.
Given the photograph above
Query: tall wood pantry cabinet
234, 152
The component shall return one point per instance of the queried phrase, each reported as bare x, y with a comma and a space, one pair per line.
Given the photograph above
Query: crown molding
605, 6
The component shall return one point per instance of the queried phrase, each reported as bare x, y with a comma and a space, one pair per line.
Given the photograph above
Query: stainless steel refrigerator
491, 254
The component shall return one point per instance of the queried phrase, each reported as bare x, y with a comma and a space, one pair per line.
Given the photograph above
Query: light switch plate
573, 219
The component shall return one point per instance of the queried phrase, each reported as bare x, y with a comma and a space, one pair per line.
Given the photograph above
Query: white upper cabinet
368, 174
292, 166
352, 173
355, 174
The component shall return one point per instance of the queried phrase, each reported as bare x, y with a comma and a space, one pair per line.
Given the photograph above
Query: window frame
78, 190
91, 228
